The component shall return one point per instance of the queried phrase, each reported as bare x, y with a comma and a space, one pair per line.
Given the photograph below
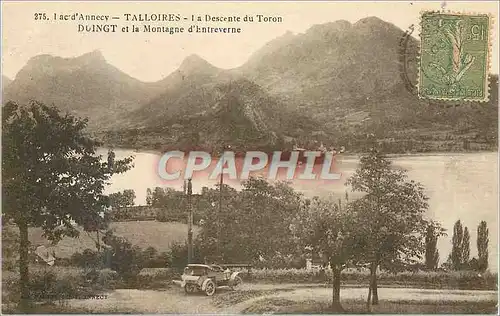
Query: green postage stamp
454, 56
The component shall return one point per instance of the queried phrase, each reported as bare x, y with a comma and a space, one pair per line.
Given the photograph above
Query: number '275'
41, 16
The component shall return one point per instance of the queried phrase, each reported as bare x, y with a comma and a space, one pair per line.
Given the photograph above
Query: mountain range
334, 83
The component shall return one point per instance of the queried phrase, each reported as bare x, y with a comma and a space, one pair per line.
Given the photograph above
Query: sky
152, 56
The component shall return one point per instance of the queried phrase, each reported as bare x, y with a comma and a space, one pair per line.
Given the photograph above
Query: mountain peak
47, 60
370, 20
43, 58
94, 56
373, 23
193, 58
339, 25
194, 63
93, 59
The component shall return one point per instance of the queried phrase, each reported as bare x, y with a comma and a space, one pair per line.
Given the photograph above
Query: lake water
459, 186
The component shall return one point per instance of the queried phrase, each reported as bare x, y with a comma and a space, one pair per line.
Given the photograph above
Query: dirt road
175, 301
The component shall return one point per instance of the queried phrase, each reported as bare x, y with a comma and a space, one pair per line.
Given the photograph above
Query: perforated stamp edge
488, 77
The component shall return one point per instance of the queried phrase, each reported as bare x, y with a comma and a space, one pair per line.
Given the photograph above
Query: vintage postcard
250, 157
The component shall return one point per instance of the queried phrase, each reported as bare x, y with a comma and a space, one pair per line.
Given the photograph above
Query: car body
206, 278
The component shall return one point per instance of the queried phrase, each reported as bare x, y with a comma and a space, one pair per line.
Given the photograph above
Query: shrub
50, 284
57, 283
152, 259
64, 262
88, 259
171, 217
282, 262
152, 278
425, 279
179, 253
162, 260
107, 279
125, 259
121, 258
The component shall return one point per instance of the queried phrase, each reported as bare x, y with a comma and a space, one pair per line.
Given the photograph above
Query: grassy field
160, 235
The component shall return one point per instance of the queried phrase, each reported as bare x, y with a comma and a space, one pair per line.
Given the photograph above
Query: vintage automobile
206, 278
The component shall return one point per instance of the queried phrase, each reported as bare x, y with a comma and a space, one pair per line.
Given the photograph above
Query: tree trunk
373, 283
369, 299
336, 306
23, 266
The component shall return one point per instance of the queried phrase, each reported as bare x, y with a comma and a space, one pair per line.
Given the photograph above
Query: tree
457, 248
10, 246
164, 197
222, 235
149, 197
122, 199
252, 224
52, 177
466, 248
390, 216
431, 252
482, 246
267, 210
172, 203
328, 229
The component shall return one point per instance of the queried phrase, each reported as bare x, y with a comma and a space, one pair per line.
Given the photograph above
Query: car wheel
189, 288
210, 288
236, 283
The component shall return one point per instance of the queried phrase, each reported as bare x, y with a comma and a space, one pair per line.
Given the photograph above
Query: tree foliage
250, 225
432, 235
124, 258
122, 199
390, 215
466, 248
431, 252
328, 229
482, 246
52, 177
457, 245
164, 197
51, 172
10, 246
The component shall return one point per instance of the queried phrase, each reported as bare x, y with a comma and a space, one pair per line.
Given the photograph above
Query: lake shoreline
347, 155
